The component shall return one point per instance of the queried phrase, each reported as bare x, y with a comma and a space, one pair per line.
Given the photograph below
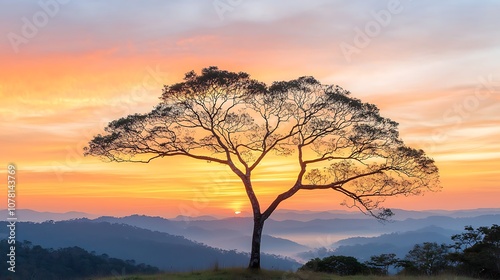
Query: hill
168, 252
286, 237
294, 238
27, 215
35, 262
398, 243
228, 234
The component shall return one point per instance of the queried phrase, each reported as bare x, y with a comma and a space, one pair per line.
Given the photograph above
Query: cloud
92, 63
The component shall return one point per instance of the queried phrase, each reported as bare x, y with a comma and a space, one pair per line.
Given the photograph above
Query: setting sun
148, 137
59, 90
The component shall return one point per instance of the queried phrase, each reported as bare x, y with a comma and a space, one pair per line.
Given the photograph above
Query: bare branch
218, 116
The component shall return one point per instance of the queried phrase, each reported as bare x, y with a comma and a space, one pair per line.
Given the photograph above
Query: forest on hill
474, 253
36, 262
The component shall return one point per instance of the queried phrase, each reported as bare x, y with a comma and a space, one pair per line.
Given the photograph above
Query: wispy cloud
95, 61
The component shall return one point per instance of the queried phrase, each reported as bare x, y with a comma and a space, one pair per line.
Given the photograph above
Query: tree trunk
258, 225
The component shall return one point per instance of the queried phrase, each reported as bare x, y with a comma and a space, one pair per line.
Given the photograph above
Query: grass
244, 274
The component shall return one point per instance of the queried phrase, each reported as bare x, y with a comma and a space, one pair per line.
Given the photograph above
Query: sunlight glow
60, 90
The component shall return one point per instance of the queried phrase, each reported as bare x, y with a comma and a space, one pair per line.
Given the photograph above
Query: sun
237, 212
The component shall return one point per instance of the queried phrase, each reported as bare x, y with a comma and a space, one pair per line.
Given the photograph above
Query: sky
67, 68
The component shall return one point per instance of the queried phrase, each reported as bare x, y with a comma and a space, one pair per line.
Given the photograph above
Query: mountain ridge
30, 215
163, 250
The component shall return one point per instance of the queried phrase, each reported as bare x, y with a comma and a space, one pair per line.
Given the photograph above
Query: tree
340, 265
383, 262
477, 251
340, 143
428, 258
64, 263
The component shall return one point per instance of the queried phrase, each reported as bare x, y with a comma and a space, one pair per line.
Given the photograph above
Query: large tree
339, 143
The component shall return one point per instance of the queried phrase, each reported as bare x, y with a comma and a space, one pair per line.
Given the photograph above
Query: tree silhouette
340, 265
428, 258
36, 262
477, 251
339, 142
383, 262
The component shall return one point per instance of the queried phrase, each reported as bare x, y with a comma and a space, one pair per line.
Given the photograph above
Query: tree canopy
477, 251
339, 142
476, 254
35, 262
340, 265
428, 258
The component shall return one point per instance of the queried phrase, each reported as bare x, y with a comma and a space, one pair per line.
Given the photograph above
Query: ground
236, 274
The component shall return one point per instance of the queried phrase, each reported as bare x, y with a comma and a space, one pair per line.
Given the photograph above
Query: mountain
399, 214
367, 227
430, 233
168, 252
305, 215
229, 234
183, 218
399, 243
289, 237
27, 215
36, 262
468, 212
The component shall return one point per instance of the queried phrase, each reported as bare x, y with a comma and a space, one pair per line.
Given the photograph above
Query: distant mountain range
399, 214
398, 243
27, 215
168, 252
183, 218
297, 234
229, 233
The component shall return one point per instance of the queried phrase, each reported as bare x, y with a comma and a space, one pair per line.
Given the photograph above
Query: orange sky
432, 68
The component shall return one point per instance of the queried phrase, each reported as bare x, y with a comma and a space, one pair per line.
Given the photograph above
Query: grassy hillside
240, 273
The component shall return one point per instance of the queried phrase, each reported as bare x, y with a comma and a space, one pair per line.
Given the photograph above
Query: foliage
478, 251
383, 262
35, 262
340, 265
230, 119
428, 258
341, 144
